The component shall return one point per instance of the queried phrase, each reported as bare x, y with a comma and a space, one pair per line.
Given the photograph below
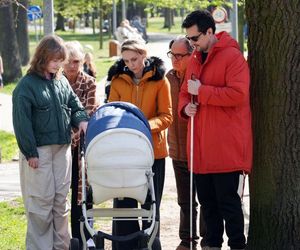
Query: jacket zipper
137, 96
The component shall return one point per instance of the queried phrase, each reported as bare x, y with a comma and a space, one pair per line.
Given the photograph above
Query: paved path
6, 113
9, 181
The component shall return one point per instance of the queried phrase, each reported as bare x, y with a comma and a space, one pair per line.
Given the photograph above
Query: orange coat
151, 95
222, 124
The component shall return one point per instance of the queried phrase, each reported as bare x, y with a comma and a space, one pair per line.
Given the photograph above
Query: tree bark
168, 18
60, 23
274, 58
8, 45
22, 32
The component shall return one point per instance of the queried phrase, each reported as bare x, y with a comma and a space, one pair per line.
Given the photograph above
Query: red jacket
222, 125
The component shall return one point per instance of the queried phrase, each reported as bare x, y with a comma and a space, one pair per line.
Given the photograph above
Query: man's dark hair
202, 18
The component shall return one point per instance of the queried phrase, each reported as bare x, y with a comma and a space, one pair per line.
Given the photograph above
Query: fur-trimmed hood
154, 64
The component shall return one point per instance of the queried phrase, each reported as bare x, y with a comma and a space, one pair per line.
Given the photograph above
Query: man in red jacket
218, 78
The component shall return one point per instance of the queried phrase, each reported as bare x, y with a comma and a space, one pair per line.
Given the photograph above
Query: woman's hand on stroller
82, 127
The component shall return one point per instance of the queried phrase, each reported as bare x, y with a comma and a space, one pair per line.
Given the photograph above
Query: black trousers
182, 177
128, 227
217, 194
76, 211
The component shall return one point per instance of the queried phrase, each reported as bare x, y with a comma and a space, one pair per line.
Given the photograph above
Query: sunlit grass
8, 145
12, 225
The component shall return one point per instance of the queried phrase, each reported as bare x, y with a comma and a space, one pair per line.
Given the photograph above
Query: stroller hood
119, 152
117, 115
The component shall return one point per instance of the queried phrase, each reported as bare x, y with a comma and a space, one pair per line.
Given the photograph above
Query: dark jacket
43, 112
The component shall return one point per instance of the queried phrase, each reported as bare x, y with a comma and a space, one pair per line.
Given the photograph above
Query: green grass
12, 225
101, 56
8, 145
8, 88
155, 24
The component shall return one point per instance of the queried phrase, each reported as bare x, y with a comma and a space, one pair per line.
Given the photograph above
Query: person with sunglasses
218, 77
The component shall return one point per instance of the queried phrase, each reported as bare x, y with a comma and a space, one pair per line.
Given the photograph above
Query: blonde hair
50, 47
75, 49
134, 45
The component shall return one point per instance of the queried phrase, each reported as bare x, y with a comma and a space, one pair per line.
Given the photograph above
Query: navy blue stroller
119, 158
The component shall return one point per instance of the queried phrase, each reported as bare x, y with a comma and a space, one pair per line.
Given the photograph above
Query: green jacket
43, 112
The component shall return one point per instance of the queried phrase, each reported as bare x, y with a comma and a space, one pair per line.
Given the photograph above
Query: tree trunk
8, 45
274, 58
167, 18
22, 32
60, 23
86, 18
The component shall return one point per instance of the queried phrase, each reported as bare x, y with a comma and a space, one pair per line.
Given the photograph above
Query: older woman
85, 88
142, 82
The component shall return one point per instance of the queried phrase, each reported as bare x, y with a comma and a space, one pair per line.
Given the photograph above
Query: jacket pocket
42, 121
66, 117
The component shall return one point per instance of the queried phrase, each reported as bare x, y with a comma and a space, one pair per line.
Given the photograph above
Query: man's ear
209, 31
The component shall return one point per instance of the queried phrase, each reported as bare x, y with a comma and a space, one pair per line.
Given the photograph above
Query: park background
274, 60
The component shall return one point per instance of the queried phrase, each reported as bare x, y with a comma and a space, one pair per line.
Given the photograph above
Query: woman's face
73, 66
134, 61
54, 65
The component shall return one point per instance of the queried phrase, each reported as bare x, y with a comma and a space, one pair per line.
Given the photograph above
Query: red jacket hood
225, 41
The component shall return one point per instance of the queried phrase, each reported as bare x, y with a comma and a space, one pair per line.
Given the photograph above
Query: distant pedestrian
88, 65
137, 23
1, 72
126, 31
44, 109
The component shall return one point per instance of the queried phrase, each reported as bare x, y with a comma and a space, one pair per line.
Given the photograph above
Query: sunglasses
194, 38
176, 56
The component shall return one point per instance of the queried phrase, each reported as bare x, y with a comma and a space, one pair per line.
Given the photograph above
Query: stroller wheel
74, 244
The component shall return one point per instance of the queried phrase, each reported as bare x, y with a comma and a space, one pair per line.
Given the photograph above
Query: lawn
8, 145
155, 24
12, 225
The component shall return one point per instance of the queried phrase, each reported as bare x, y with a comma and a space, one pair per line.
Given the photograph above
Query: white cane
191, 177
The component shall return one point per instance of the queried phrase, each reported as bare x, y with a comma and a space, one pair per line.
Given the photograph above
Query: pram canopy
118, 152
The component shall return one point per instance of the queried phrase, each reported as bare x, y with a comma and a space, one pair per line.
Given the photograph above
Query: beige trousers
45, 191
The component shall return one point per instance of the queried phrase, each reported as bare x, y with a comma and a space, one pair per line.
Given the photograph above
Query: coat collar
154, 70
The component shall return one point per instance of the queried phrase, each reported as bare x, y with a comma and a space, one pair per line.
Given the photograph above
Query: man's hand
193, 86
33, 162
82, 127
190, 109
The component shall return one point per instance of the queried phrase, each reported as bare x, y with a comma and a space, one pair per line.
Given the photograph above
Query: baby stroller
119, 158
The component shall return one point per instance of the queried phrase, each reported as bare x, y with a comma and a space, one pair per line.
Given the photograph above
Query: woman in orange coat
142, 83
